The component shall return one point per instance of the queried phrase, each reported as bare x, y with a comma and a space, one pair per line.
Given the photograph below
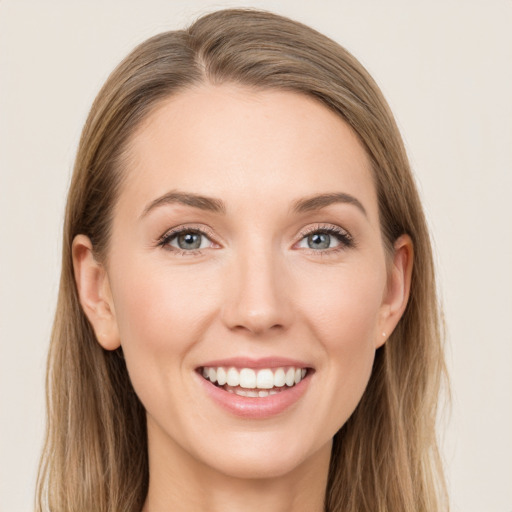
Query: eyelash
343, 237
165, 240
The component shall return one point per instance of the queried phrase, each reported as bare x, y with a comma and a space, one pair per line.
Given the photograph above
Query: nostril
257, 326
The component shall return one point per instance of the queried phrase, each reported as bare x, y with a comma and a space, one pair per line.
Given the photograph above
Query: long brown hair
385, 458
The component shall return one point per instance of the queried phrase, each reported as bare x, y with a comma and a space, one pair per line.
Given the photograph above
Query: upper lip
264, 362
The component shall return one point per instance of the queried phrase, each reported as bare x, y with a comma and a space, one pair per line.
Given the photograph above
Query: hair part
95, 455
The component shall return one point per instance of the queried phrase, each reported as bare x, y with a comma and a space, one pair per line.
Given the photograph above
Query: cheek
155, 307
344, 310
344, 318
160, 315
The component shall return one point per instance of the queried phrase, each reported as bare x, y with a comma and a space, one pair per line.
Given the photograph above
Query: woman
247, 315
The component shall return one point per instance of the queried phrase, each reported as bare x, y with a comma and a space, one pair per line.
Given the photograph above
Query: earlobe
94, 293
397, 289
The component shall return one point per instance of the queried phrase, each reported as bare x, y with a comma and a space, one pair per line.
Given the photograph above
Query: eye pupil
189, 241
319, 241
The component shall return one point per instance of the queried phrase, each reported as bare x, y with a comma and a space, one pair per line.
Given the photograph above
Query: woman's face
246, 237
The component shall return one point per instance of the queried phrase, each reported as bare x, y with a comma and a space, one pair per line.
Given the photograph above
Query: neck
181, 483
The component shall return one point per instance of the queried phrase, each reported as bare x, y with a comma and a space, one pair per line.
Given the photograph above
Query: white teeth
279, 378
233, 377
248, 378
221, 376
265, 379
250, 392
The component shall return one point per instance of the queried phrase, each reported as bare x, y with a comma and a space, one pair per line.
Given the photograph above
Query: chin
259, 468
263, 460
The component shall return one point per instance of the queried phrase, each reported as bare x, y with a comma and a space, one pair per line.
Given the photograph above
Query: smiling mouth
254, 383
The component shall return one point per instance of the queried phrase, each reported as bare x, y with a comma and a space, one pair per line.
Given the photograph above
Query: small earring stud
383, 334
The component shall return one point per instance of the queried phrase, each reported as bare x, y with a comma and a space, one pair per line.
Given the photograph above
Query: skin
255, 289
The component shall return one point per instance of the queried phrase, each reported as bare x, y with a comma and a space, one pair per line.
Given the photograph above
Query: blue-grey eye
189, 241
321, 240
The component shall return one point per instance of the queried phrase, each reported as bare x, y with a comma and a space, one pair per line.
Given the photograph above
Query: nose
258, 294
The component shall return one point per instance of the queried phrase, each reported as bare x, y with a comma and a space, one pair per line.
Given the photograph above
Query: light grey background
445, 68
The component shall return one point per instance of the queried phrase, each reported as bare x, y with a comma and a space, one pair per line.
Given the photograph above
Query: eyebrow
188, 199
323, 200
214, 205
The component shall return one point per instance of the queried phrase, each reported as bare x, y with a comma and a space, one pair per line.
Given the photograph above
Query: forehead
224, 140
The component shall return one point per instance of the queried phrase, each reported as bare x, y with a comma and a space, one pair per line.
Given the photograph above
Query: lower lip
252, 407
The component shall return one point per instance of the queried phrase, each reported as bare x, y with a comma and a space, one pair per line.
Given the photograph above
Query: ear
398, 287
94, 293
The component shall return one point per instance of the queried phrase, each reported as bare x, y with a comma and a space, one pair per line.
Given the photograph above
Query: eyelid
184, 228
326, 227
344, 237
